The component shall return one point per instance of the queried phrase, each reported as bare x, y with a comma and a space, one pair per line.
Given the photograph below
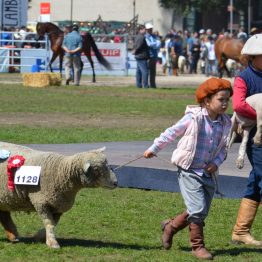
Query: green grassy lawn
124, 225
87, 114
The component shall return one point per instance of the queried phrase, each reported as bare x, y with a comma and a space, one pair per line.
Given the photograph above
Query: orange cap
211, 86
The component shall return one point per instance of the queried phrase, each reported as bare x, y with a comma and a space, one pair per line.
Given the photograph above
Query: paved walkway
155, 173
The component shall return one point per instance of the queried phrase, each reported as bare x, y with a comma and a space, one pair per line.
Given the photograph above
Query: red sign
45, 8
108, 52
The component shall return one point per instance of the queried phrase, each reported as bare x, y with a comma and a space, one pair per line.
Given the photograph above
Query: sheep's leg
232, 139
40, 236
9, 226
242, 149
232, 134
49, 224
257, 137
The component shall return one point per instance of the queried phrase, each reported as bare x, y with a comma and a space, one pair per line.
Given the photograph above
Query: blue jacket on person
72, 41
154, 44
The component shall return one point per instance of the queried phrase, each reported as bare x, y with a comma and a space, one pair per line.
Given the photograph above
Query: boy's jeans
197, 192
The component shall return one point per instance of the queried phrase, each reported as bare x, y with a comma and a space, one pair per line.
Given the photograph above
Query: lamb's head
96, 171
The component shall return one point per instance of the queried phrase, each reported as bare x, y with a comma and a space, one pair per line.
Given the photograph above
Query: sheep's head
97, 172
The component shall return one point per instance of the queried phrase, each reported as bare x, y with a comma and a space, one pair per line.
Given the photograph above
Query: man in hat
141, 53
72, 45
248, 83
154, 44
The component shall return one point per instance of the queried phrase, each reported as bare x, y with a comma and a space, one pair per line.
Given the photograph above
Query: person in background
242, 34
201, 150
167, 64
176, 50
246, 84
141, 53
195, 53
72, 45
5, 35
211, 57
154, 45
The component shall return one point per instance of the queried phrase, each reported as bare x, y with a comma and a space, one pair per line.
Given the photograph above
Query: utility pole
231, 17
134, 15
249, 17
71, 12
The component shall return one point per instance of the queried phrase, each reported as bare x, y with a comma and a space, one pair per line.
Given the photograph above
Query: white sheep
245, 125
181, 64
61, 177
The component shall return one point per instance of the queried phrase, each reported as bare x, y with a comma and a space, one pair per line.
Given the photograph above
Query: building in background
108, 10
147, 10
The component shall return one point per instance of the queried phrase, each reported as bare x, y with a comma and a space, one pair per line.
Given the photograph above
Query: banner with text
114, 53
13, 13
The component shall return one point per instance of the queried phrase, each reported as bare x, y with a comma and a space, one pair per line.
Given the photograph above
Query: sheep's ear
86, 167
99, 150
102, 149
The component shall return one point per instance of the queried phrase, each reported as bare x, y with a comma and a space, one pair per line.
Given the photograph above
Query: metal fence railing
13, 51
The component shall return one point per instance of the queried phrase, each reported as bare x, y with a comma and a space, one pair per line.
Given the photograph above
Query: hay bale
42, 79
55, 79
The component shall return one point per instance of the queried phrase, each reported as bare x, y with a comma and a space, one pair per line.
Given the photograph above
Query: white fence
14, 58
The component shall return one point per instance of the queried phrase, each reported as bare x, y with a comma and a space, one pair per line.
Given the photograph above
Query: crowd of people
19, 35
178, 52
196, 49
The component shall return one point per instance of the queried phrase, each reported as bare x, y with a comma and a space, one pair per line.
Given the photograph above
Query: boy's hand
148, 154
211, 168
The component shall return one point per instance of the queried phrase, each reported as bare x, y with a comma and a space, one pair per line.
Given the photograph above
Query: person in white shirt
211, 57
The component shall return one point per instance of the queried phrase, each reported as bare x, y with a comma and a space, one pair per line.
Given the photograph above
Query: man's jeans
141, 73
197, 192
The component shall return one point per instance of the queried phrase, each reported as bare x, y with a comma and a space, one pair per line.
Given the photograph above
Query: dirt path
161, 80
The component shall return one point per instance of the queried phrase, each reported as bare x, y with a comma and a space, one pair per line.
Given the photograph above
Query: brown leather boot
197, 242
171, 227
246, 215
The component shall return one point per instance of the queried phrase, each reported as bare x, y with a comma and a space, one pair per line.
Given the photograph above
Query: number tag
27, 175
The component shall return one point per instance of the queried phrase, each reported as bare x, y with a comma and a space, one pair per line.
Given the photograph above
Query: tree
199, 5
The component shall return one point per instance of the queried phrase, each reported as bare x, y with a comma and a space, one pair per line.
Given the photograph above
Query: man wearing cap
72, 45
154, 44
141, 53
249, 82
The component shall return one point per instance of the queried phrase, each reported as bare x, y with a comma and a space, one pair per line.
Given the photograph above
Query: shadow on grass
235, 251
70, 242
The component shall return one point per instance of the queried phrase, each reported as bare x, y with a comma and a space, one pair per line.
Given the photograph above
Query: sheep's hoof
240, 163
14, 240
53, 243
12, 237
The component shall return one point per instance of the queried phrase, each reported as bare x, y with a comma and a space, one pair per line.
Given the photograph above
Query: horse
225, 48
56, 37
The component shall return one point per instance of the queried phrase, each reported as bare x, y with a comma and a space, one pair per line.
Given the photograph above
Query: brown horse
56, 37
226, 48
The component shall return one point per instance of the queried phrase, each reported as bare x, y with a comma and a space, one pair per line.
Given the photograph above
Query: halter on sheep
60, 179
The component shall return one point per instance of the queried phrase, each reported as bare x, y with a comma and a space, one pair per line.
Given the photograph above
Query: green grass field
87, 114
124, 225
117, 225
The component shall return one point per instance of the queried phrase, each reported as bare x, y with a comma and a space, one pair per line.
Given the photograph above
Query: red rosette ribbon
14, 162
